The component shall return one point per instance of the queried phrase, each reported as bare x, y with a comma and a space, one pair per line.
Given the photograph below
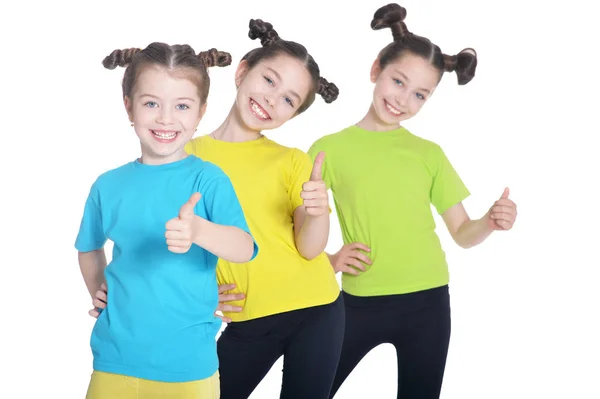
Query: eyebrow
158, 98
399, 72
274, 72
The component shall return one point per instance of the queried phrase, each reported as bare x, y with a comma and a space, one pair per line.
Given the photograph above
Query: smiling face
270, 93
165, 110
402, 87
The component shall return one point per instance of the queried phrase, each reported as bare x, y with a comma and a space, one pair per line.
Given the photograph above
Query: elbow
250, 249
310, 253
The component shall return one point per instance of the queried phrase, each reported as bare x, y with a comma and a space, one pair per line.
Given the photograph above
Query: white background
525, 303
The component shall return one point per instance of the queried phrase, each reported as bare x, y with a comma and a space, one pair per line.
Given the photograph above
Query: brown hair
171, 58
392, 16
273, 45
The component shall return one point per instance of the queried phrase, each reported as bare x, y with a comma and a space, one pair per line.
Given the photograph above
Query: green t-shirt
383, 185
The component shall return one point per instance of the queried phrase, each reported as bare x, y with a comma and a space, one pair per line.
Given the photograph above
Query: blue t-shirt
159, 321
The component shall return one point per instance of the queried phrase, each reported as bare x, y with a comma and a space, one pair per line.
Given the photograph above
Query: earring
132, 125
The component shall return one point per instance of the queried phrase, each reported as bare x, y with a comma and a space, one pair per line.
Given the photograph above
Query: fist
503, 213
181, 230
314, 191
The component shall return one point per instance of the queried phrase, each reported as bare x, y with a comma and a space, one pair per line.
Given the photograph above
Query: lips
393, 110
259, 111
165, 136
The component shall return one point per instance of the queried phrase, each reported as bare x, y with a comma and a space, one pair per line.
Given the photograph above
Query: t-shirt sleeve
313, 152
447, 189
300, 171
91, 232
223, 206
190, 147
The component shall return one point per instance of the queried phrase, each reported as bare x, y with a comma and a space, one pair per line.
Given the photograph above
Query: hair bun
120, 58
464, 64
213, 57
391, 16
327, 90
264, 31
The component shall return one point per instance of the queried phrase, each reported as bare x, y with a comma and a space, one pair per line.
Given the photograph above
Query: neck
148, 158
234, 130
373, 122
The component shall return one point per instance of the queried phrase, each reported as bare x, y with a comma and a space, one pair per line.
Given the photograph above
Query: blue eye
289, 101
398, 82
151, 104
269, 81
420, 96
183, 107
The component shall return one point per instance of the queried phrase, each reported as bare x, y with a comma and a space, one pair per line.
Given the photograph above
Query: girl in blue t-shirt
170, 216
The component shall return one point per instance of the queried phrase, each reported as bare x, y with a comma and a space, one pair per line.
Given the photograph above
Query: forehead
165, 83
418, 70
292, 72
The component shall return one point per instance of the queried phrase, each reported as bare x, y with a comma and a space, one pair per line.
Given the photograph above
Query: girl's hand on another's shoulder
350, 259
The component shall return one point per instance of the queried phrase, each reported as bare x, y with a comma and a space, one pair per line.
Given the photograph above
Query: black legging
310, 341
417, 324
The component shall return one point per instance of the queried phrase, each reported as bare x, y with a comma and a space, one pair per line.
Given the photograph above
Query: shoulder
330, 140
206, 169
114, 176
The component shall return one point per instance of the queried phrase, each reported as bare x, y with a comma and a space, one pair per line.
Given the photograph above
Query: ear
375, 70
241, 72
128, 108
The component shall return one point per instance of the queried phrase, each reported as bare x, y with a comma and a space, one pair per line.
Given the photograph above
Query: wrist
199, 229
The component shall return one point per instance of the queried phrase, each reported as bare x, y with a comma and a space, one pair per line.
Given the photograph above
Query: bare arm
92, 266
465, 232
468, 233
311, 232
226, 242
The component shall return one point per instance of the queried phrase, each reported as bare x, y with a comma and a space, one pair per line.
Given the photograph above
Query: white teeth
258, 110
165, 135
392, 109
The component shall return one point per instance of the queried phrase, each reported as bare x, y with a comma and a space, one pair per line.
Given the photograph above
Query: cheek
416, 105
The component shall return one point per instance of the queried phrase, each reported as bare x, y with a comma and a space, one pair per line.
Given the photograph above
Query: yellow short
114, 386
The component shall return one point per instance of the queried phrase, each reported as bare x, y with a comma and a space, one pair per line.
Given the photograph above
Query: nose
402, 98
164, 117
269, 101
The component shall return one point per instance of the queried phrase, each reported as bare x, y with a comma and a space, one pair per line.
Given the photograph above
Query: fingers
187, 210
94, 313
178, 250
101, 295
98, 303
348, 270
225, 319
177, 225
226, 287
355, 263
358, 245
223, 307
505, 194
231, 297
505, 202
316, 173
315, 187
504, 224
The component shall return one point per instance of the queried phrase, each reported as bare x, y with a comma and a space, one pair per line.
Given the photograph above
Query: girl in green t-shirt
384, 180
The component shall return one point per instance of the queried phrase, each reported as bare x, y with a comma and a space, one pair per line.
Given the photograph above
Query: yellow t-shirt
268, 179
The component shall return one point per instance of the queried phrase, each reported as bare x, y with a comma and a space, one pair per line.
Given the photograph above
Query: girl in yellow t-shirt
384, 180
291, 305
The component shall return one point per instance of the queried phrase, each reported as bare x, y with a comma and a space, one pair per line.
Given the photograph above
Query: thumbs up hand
314, 191
503, 213
181, 230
